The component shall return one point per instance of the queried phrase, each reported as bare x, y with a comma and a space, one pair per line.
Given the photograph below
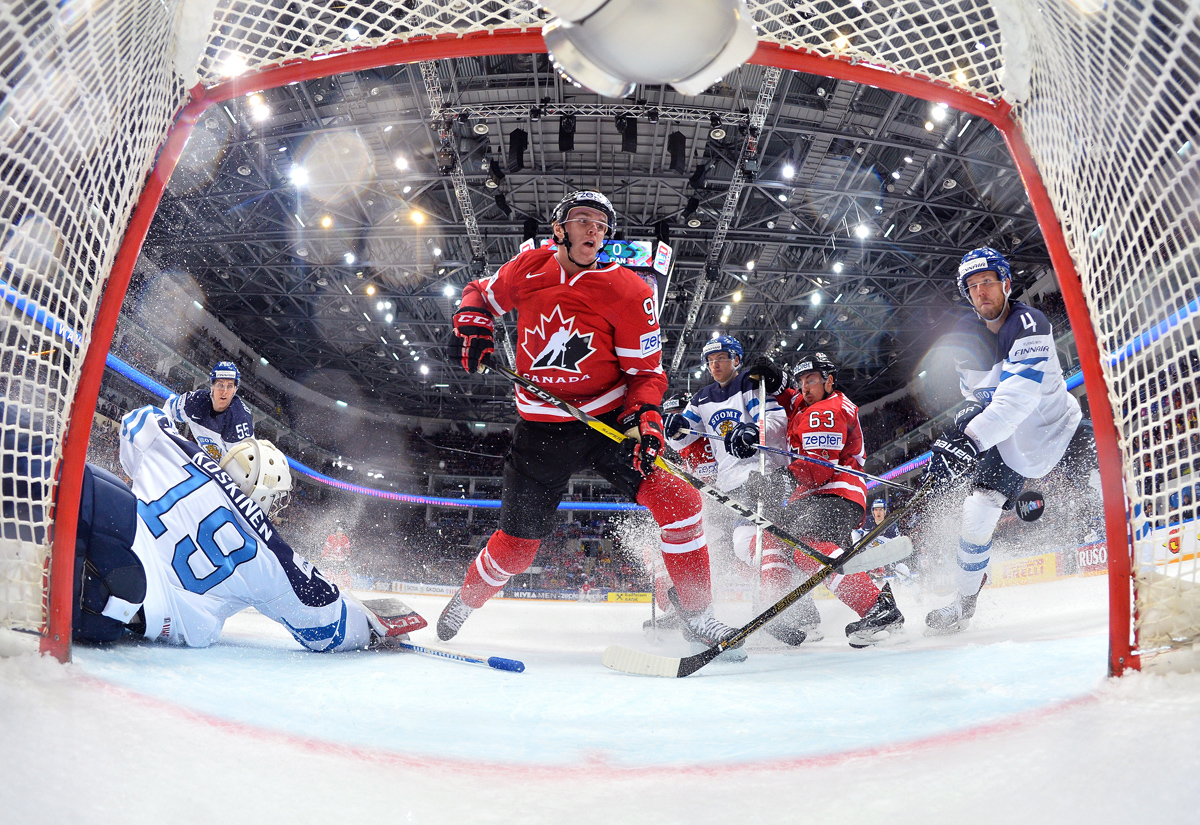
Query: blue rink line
568, 711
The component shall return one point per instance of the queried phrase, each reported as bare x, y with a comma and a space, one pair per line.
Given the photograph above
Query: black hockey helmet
816, 361
589, 198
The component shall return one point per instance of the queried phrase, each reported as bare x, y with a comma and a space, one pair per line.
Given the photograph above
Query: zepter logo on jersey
722, 421
555, 344
823, 441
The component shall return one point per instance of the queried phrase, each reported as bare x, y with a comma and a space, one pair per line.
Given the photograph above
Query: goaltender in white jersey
208, 550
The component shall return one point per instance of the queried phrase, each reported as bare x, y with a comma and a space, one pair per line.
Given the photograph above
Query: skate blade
949, 630
883, 637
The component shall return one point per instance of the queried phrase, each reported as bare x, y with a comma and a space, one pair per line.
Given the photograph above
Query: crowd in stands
890, 421
1055, 309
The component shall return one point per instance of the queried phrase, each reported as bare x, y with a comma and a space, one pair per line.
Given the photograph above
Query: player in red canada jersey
828, 503
590, 335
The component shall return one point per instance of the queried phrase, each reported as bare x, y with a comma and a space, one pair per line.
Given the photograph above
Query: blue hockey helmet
981, 260
722, 343
878, 503
225, 369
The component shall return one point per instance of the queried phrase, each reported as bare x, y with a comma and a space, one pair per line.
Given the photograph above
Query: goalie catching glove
474, 338
954, 456
645, 429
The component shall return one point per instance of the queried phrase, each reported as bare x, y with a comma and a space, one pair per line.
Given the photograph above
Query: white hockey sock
981, 512
972, 564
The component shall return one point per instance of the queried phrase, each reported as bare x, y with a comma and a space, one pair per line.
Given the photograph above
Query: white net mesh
1105, 93
86, 94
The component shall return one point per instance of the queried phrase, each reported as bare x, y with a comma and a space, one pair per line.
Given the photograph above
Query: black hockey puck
1030, 505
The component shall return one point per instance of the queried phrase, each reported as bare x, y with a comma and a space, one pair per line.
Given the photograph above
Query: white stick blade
890, 551
628, 660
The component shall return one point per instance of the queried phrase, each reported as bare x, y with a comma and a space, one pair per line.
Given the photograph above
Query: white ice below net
308, 730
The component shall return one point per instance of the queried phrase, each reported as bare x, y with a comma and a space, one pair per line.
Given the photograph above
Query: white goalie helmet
261, 472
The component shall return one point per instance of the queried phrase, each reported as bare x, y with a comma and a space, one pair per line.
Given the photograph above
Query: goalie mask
261, 472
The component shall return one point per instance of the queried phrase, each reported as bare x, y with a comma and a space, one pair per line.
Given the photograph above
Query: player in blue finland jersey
1017, 422
216, 417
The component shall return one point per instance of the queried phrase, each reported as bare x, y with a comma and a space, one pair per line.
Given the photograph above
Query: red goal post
1096, 88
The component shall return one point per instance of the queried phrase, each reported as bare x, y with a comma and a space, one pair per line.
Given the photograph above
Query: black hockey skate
390, 620
883, 622
453, 615
955, 616
798, 624
702, 630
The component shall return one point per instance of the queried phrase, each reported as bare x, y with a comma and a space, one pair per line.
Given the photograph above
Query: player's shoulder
1025, 333
624, 282
848, 406
239, 413
526, 264
1025, 320
197, 403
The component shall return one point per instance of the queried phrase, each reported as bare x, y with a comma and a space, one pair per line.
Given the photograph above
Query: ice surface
1009, 721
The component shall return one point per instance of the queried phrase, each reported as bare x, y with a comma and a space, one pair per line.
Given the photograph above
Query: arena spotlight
716, 130
695, 42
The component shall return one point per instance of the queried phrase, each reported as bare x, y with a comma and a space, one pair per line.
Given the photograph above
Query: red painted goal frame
56, 639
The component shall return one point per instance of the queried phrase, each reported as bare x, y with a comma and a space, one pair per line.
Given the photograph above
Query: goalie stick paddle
496, 662
628, 660
717, 495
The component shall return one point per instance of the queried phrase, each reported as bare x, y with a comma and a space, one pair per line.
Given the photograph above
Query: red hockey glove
645, 426
473, 339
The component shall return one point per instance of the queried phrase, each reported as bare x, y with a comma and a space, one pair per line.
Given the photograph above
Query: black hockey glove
965, 413
954, 456
473, 339
675, 425
645, 429
742, 441
771, 374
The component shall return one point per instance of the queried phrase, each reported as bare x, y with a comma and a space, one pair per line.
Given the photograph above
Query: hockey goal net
1098, 101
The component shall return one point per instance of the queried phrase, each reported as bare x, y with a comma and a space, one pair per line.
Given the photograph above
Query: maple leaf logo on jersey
555, 344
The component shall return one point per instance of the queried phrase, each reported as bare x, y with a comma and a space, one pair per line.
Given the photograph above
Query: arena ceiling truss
854, 208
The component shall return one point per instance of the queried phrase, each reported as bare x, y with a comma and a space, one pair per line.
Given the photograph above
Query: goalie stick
628, 660
496, 662
768, 526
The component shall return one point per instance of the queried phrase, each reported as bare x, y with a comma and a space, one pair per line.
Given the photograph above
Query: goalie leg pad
110, 582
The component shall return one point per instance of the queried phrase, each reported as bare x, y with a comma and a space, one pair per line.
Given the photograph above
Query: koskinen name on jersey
563, 349
248, 508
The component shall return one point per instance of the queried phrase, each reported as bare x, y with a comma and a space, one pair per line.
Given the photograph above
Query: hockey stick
814, 460
742, 510
492, 661
628, 660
